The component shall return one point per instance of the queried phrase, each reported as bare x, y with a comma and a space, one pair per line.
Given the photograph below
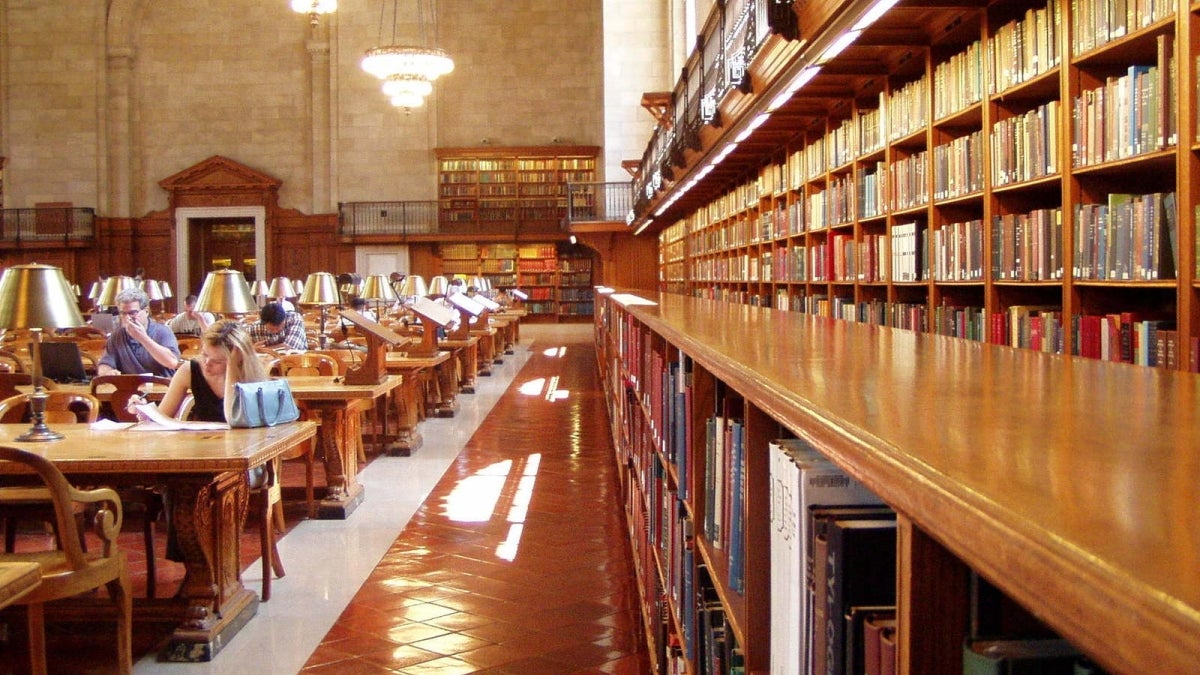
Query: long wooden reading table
204, 474
417, 372
337, 406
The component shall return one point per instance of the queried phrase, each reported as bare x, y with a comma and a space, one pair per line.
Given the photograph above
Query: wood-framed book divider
373, 368
432, 317
475, 314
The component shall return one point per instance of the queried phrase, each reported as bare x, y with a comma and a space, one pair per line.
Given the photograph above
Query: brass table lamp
226, 292
37, 297
320, 289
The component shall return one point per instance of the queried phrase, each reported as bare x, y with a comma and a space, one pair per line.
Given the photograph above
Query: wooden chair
11, 362
85, 333
8, 388
306, 363
67, 571
147, 499
62, 407
124, 387
189, 346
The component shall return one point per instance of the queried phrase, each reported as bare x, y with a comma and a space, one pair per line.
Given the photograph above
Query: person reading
190, 321
139, 344
226, 357
278, 328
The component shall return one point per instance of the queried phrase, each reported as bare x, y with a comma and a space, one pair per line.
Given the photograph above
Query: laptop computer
62, 362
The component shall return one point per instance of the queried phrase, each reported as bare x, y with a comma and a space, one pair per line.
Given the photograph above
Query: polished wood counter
1070, 483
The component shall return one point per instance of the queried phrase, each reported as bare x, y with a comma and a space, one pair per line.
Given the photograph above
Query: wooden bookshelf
996, 179
503, 187
557, 276
1064, 482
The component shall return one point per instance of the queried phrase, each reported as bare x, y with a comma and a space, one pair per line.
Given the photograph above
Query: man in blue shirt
278, 328
139, 344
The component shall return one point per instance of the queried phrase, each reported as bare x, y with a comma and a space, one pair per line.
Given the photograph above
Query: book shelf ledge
984, 448
1156, 160
1125, 48
1042, 86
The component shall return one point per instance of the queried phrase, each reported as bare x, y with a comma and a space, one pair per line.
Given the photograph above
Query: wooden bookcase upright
1068, 483
1016, 173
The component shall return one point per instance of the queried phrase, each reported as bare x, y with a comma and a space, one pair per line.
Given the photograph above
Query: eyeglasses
131, 312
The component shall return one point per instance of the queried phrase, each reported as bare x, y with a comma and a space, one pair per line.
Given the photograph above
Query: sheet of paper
154, 420
109, 425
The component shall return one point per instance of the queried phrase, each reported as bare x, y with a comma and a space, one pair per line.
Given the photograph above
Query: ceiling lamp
409, 70
314, 8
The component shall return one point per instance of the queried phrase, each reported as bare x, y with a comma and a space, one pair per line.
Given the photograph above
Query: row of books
1027, 246
1128, 115
1095, 23
1131, 237
958, 166
833, 554
956, 251
1025, 146
1024, 48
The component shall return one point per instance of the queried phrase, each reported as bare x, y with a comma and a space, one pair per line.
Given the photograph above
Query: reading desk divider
373, 369
432, 317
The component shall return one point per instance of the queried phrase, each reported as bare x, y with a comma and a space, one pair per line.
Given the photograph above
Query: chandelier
314, 8
408, 70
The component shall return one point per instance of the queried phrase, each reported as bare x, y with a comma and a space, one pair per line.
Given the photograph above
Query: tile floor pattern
534, 483
517, 562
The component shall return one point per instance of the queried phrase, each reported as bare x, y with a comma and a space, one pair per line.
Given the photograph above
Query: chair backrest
86, 333
62, 407
189, 346
125, 387
64, 496
10, 381
344, 358
306, 363
12, 363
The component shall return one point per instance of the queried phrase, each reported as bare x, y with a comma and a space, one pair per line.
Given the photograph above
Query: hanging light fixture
408, 70
314, 8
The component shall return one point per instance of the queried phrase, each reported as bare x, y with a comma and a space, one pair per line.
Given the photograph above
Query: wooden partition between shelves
1068, 483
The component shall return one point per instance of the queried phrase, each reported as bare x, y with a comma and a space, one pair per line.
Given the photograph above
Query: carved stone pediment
219, 174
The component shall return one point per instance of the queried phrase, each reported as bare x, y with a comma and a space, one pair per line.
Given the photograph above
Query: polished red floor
518, 561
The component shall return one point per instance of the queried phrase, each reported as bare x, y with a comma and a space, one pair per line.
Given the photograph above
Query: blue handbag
263, 404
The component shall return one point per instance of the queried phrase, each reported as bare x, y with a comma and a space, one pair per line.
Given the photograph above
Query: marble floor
496, 548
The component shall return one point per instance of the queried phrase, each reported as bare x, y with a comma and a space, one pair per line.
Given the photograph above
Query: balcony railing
47, 224
356, 219
598, 202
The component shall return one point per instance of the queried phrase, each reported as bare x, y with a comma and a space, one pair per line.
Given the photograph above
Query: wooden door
220, 243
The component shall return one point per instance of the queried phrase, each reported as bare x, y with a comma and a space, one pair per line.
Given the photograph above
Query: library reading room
637, 337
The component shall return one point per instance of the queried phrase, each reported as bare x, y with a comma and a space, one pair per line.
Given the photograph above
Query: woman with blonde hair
227, 356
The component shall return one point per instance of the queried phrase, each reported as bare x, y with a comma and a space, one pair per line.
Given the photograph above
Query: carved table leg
208, 517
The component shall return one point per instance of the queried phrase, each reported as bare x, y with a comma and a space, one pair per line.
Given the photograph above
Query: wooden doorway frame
183, 221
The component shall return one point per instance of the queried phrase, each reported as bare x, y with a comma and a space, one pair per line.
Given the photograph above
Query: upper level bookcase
1021, 173
1069, 484
510, 186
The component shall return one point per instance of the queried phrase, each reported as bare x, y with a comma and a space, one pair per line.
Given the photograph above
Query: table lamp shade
438, 286
320, 288
480, 284
298, 286
259, 287
378, 287
37, 296
153, 290
281, 287
226, 292
166, 289
413, 286
113, 286
95, 290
